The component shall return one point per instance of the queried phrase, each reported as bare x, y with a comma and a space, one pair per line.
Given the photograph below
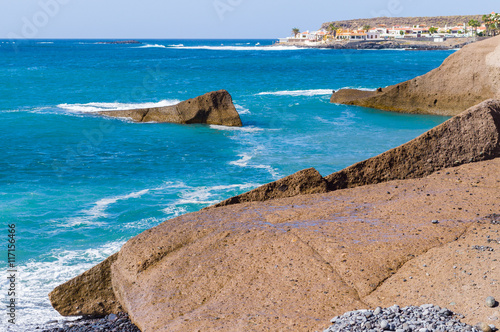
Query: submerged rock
214, 108
466, 78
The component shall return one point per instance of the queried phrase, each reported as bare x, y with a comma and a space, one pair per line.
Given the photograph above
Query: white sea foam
37, 278
357, 88
245, 159
143, 224
174, 211
249, 129
152, 46
296, 93
99, 107
98, 210
309, 93
209, 195
240, 48
241, 109
243, 162
176, 45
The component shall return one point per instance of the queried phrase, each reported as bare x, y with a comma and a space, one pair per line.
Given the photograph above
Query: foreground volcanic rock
214, 108
466, 78
293, 263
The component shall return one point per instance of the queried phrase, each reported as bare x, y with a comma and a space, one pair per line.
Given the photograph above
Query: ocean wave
99, 107
153, 46
176, 45
209, 195
357, 88
245, 159
38, 278
240, 48
296, 93
45, 43
98, 210
241, 109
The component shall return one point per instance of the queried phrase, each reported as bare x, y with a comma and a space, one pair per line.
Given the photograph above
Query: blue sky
166, 19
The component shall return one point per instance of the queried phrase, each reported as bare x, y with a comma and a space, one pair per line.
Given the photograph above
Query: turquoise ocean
77, 186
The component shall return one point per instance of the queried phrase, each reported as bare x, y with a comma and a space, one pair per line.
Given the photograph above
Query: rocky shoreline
111, 323
424, 318
388, 44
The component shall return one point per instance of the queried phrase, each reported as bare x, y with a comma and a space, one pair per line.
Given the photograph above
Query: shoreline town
418, 36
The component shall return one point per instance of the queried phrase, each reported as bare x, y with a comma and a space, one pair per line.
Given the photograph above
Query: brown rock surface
466, 78
471, 136
293, 263
304, 182
212, 108
91, 293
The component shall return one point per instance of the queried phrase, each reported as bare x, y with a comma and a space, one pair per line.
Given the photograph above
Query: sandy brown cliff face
214, 108
466, 78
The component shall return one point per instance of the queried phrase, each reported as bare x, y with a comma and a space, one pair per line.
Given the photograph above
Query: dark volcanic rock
212, 108
111, 323
307, 181
465, 78
471, 136
91, 293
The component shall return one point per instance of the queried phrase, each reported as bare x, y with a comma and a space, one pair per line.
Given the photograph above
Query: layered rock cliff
214, 108
466, 78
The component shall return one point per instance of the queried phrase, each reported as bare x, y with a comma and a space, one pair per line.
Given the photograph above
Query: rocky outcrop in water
466, 78
214, 108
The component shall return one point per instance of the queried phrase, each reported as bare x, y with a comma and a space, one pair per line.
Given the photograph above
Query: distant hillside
440, 21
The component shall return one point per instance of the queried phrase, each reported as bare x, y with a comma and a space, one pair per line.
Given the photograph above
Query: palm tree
492, 22
474, 24
333, 29
487, 23
366, 27
295, 32
433, 30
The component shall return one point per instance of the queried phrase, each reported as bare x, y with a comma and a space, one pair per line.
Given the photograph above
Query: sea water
77, 186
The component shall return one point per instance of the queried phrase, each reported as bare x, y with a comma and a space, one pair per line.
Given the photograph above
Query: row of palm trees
492, 24
491, 21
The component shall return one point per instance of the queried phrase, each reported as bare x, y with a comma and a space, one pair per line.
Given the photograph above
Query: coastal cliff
292, 263
214, 108
466, 78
